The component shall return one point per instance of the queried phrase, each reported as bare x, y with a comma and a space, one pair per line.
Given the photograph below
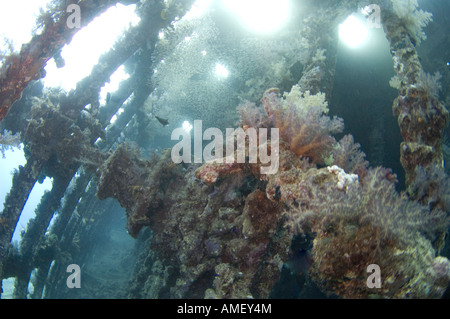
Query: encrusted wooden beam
20, 69
422, 118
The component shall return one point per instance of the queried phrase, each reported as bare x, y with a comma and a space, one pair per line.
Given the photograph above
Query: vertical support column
321, 30
422, 118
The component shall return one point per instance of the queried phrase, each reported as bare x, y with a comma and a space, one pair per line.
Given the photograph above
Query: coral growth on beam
412, 18
20, 69
366, 222
422, 118
304, 129
136, 184
217, 245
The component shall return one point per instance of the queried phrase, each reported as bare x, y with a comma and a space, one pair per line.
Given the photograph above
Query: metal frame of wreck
87, 92
82, 196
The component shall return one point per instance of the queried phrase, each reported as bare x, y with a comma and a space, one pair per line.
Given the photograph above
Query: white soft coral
413, 19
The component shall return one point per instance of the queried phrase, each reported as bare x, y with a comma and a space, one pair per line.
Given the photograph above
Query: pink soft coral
301, 119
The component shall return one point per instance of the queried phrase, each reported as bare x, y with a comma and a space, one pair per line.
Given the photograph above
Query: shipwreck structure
217, 230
